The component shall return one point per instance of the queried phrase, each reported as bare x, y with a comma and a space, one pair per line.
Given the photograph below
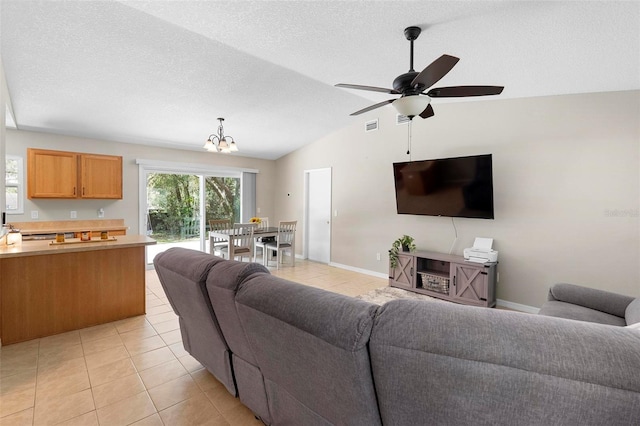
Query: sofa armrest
600, 300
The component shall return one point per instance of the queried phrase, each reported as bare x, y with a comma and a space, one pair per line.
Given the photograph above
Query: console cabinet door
470, 284
100, 176
402, 275
52, 174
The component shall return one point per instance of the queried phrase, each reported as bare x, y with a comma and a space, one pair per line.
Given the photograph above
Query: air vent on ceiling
371, 125
401, 119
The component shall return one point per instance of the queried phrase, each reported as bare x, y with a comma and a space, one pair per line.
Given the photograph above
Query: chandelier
219, 142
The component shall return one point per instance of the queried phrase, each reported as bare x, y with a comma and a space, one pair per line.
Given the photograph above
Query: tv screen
455, 187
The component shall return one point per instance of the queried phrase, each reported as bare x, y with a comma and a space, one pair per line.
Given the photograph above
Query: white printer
481, 252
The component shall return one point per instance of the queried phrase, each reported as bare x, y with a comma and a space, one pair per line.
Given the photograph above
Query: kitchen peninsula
48, 288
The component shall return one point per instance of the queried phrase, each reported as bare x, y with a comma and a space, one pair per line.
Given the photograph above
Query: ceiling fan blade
435, 71
428, 112
369, 88
369, 108
462, 91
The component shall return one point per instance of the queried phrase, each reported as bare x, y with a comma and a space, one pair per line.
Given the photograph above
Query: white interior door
318, 214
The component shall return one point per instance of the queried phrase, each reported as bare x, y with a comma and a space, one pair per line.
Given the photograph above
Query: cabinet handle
74, 190
411, 271
454, 280
83, 190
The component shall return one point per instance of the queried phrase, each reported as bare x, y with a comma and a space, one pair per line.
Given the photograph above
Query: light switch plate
74, 214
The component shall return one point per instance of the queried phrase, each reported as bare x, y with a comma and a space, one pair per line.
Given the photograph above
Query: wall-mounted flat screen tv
455, 187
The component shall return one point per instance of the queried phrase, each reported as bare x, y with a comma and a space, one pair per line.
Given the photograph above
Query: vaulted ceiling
160, 72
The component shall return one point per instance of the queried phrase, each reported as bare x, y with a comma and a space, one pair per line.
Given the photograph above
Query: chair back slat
286, 232
243, 239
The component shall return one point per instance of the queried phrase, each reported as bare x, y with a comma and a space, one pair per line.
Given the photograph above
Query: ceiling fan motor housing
402, 84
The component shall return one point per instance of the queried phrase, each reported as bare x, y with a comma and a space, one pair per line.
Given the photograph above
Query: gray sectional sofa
580, 303
297, 355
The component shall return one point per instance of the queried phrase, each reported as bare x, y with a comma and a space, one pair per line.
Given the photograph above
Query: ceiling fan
415, 100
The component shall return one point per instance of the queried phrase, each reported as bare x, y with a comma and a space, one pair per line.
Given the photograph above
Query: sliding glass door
180, 205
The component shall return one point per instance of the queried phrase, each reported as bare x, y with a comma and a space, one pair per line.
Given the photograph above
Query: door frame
201, 170
305, 210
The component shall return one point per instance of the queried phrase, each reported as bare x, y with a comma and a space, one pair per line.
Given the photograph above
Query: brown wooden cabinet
446, 277
52, 174
100, 176
61, 174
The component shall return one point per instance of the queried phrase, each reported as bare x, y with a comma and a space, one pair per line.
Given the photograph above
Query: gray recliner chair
575, 302
183, 275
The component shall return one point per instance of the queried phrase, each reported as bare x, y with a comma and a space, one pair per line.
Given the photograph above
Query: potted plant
404, 243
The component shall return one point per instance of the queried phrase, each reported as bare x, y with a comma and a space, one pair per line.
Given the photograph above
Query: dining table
229, 234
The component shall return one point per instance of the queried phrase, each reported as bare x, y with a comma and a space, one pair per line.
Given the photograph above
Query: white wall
566, 188
4, 99
127, 208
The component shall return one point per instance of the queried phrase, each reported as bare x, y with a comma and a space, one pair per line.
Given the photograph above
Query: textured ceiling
160, 72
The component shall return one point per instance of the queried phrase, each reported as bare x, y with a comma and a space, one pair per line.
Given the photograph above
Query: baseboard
517, 306
360, 270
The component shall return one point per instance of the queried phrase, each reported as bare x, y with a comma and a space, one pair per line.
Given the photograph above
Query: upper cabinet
60, 174
100, 176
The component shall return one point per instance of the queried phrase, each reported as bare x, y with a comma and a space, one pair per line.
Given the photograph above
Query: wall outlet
34, 214
378, 256
74, 214
258, 210
100, 212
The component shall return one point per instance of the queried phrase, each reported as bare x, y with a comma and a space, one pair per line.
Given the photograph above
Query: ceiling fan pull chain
409, 140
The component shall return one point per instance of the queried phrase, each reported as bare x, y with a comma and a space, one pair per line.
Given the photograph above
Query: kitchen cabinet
100, 176
61, 174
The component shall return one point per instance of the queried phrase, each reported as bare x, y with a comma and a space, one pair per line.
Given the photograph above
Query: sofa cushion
554, 308
311, 346
182, 273
599, 300
446, 364
222, 284
632, 313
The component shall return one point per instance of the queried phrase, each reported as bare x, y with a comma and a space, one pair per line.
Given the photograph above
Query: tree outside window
14, 185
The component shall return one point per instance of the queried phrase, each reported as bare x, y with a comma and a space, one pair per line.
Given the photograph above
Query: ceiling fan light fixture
412, 105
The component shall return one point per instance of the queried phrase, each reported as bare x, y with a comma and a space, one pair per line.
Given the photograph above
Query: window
14, 185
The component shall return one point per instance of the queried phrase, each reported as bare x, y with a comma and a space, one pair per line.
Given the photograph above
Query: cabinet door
402, 275
470, 284
51, 174
101, 176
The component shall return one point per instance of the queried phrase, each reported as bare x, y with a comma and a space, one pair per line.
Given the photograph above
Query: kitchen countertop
64, 226
43, 247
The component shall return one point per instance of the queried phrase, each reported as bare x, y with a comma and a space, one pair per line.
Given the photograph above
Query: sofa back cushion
182, 273
222, 284
632, 313
311, 346
446, 364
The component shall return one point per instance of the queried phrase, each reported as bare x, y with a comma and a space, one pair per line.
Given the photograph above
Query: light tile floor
134, 371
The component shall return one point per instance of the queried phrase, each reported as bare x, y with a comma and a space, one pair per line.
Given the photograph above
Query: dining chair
217, 243
285, 240
242, 241
258, 245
